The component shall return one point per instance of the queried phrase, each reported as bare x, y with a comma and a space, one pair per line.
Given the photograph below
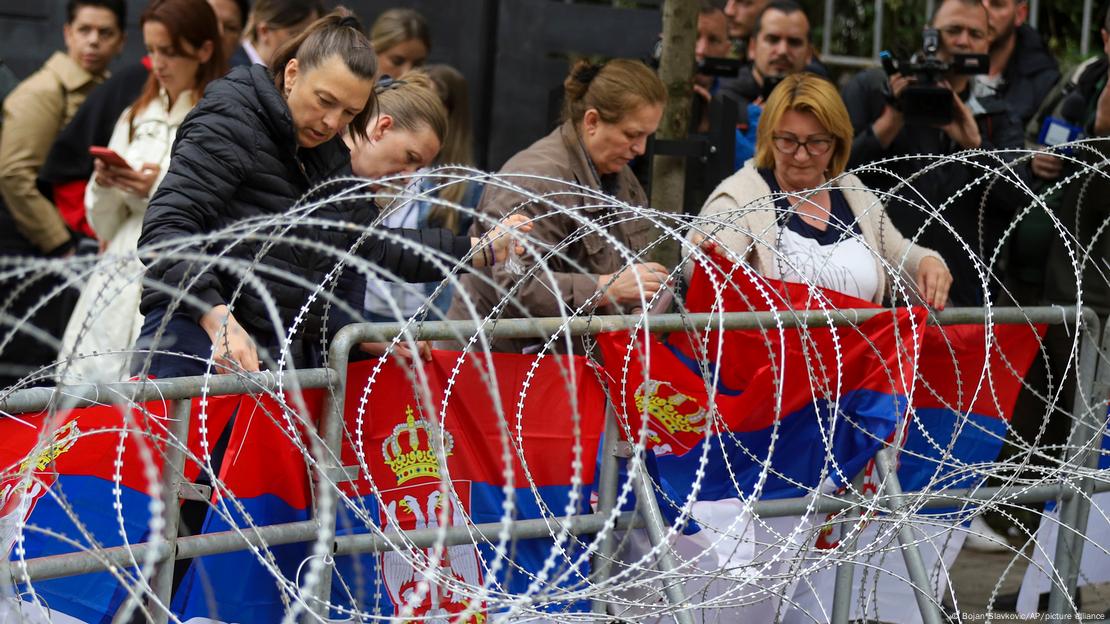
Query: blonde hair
450, 85
397, 26
458, 146
614, 89
413, 103
807, 93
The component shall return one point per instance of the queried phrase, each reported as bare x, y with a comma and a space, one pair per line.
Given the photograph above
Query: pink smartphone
110, 157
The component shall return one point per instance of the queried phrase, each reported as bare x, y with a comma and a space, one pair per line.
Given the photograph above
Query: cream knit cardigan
740, 216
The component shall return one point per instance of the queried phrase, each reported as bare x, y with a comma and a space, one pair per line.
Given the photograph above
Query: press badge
1056, 131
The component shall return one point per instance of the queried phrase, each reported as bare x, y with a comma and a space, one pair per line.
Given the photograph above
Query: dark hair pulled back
338, 33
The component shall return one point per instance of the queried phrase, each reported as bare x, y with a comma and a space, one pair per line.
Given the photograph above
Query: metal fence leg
915, 565
173, 476
1085, 434
657, 532
842, 592
327, 492
845, 570
606, 500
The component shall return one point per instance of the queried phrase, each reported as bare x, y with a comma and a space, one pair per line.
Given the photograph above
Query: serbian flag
468, 439
960, 381
775, 413
264, 479
461, 440
82, 480
964, 393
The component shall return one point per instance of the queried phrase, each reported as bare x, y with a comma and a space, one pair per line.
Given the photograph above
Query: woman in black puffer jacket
247, 154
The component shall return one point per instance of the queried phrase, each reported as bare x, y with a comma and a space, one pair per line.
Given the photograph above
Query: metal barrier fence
1093, 386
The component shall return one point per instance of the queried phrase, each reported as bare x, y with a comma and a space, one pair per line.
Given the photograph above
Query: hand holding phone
108, 156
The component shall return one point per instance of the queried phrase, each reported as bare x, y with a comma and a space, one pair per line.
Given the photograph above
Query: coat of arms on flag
675, 422
20, 490
427, 583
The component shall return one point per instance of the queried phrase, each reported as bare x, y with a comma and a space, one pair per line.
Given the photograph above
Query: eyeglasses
814, 147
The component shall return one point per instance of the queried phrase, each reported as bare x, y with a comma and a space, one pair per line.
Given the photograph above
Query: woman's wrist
481, 252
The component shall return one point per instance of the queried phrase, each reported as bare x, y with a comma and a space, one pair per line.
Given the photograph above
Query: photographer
878, 107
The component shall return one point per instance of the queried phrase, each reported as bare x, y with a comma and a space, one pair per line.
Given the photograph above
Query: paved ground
976, 575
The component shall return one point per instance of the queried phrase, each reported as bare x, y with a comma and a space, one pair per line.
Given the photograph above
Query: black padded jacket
236, 169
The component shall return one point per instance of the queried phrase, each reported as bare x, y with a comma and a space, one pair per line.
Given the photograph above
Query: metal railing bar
545, 327
73, 564
125, 392
83, 562
83, 395
452, 536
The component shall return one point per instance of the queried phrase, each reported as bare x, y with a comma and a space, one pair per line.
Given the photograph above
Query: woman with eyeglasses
182, 39
793, 214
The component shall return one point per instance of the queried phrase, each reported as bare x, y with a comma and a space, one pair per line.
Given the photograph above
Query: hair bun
350, 21
587, 72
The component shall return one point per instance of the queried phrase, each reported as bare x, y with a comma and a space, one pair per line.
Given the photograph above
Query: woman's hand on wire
235, 350
933, 282
496, 244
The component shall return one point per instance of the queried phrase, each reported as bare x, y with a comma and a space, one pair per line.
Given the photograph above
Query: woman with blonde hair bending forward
781, 215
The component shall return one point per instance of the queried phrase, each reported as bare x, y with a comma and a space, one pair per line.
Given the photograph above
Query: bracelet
485, 256
492, 255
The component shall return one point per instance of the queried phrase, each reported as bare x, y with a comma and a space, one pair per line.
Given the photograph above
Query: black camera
924, 101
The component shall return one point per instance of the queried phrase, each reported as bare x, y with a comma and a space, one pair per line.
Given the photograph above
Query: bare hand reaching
235, 350
500, 239
402, 351
633, 285
933, 282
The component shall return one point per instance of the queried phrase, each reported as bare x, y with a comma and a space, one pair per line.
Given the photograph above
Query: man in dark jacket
976, 210
1022, 70
1083, 207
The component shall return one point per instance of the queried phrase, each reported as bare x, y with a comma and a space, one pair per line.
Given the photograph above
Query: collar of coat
585, 173
72, 76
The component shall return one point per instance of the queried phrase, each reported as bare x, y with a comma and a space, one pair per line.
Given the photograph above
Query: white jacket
748, 228
106, 317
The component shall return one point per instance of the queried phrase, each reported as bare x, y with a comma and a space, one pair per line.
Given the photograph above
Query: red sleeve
69, 197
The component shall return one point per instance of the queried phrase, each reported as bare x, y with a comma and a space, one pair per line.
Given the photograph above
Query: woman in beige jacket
609, 111
792, 214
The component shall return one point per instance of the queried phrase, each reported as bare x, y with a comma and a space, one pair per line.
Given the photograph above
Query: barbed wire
731, 560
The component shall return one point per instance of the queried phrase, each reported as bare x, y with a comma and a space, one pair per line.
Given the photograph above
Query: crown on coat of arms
62, 440
413, 455
677, 412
